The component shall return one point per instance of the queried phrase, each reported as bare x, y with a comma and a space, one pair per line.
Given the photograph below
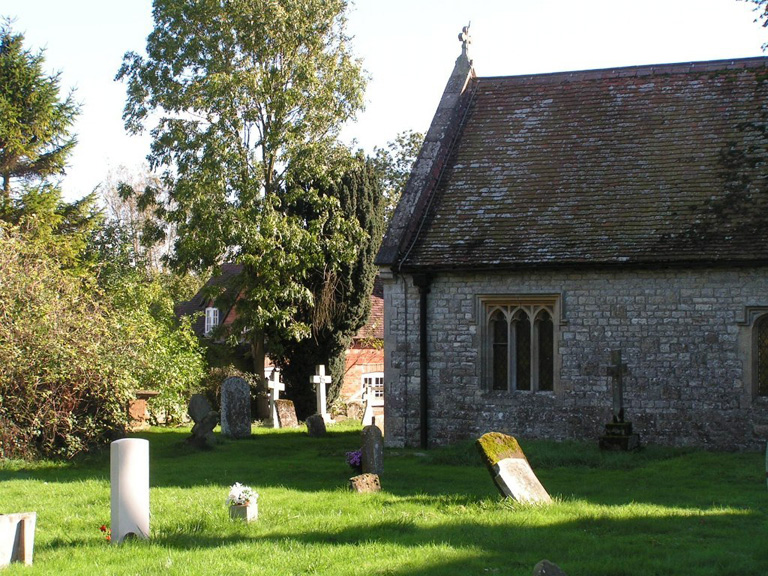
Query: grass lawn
655, 512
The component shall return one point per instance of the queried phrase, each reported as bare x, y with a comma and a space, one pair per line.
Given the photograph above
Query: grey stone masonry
686, 333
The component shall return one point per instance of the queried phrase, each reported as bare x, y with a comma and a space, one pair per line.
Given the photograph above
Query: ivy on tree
241, 93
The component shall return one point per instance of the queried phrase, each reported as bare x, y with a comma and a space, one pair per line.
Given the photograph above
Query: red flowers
107, 532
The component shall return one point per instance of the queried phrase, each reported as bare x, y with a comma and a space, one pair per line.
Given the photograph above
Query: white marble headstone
516, 479
129, 478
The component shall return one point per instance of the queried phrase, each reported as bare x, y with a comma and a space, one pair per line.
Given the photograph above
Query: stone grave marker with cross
616, 370
275, 387
320, 379
618, 433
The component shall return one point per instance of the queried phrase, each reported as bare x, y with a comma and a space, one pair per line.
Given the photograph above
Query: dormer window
211, 320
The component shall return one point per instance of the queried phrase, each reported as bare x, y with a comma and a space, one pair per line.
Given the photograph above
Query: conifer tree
35, 123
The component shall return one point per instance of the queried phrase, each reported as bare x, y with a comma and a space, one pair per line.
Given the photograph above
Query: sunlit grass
659, 511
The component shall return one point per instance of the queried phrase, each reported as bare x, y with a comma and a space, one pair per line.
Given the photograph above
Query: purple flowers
355, 458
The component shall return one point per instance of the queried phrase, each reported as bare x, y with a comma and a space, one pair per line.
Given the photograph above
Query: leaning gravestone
235, 408
372, 451
286, 414
316, 426
510, 470
205, 419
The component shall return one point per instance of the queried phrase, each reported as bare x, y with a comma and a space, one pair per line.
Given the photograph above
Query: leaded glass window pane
500, 353
546, 351
762, 356
523, 352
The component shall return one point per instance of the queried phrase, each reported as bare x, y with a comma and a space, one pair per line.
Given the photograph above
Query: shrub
64, 380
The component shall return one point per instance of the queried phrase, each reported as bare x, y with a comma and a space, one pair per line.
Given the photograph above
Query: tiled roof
642, 165
374, 327
227, 279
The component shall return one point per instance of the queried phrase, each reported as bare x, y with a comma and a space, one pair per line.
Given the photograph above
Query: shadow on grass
293, 460
660, 544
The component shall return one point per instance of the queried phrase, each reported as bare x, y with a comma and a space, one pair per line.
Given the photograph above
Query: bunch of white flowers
241, 495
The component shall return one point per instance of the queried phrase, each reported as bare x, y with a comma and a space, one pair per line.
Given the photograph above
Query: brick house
365, 357
550, 219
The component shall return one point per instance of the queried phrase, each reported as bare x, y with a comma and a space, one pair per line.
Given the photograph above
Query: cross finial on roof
465, 39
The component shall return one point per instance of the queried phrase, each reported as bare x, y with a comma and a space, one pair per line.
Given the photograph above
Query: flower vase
245, 512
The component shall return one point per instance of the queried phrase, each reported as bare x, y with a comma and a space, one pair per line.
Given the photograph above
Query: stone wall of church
686, 337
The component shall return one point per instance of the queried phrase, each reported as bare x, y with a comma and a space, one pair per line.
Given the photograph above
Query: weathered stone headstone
286, 414
316, 426
17, 537
198, 407
205, 419
129, 484
618, 433
320, 379
235, 408
510, 469
372, 450
547, 568
365, 483
275, 387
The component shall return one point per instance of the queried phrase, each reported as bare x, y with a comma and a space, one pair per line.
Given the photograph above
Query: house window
211, 320
519, 343
761, 354
373, 384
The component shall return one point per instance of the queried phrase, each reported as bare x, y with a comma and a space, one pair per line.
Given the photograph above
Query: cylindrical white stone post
129, 475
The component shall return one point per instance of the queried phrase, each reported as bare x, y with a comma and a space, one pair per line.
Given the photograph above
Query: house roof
645, 165
224, 285
374, 327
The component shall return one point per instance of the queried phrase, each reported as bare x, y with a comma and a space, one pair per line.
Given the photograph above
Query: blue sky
408, 48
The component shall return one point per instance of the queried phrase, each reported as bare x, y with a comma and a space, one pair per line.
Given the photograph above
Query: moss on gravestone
495, 446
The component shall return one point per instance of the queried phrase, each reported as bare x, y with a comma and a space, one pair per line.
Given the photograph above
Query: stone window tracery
519, 343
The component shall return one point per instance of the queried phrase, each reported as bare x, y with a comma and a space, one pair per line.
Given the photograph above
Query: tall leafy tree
242, 91
35, 123
342, 295
394, 163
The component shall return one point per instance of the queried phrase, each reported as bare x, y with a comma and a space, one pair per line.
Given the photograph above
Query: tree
394, 164
246, 90
35, 141
342, 297
134, 232
66, 229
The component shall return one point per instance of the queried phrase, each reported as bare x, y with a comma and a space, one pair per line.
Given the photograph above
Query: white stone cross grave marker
275, 387
320, 379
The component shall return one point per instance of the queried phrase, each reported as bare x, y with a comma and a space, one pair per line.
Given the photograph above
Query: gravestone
286, 414
137, 409
17, 537
365, 483
372, 451
205, 419
618, 433
320, 379
316, 426
275, 387
129, 484
235, 408
547, 568
510, 470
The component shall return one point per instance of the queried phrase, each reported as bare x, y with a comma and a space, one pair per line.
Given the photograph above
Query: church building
552, 220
